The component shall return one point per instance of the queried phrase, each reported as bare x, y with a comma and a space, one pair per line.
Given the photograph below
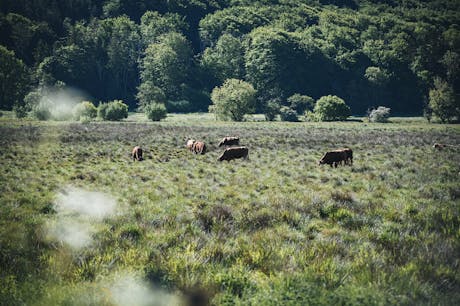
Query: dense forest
368, 52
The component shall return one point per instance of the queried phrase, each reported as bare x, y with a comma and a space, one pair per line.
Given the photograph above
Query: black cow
234, 152
229, 141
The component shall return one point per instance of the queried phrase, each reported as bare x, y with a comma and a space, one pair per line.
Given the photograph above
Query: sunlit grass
276, 229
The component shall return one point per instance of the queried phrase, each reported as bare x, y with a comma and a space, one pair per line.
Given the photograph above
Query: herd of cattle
232, 144
233, 150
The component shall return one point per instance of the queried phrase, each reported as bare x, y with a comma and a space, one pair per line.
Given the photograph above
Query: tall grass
276, 229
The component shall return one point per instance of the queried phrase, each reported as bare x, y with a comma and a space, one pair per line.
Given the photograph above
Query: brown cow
333, 158
229, 141
189, 144
234, 152
199, 147
137, 153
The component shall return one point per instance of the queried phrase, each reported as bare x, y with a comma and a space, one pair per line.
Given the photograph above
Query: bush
272, 108
85, 109
288, 114
443, 102
311, 116
301, 103
113, 111
381, 114
41, 112
149, 93
155, 111
102, 110
20, 111
234, 99
331, 108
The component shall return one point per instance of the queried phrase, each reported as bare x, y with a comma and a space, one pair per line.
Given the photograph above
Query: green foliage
300, 103
376, 75
153, 25
41, 112
167, 64
20, 111
234, 99
331, 108
181, 106
288, 114
30, 39
148, 93
100, 57
366, 52
102, 110
380, 114
85, 109
272, 108
113, 111
443, 101
225, 60
155, 111
14, 80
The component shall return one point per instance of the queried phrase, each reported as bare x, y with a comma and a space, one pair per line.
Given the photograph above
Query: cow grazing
199, 147
333, 158
439, 146
137, 153
189, 144
233, 153
229, 141
349, 153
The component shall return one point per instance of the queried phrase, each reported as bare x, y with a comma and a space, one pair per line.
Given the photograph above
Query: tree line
402, 54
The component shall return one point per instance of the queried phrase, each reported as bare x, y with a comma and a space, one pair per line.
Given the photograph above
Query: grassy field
82, 224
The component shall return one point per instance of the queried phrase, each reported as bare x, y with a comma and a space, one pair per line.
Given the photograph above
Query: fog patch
78, 213
60, 101
131, 290
75, 233
95, 205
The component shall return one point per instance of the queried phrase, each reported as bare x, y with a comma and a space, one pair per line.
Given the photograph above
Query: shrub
381, 114
301, 103
331, 108
443, 102
311, 116
102, 110
41, 112
113, 111
234, 99
20, 111
288, 114
272, 108
149, 93
85, 109
155, 111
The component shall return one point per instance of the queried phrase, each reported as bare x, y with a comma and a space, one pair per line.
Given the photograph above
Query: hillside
368, 52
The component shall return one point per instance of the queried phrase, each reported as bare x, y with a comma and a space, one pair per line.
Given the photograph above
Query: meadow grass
276, 229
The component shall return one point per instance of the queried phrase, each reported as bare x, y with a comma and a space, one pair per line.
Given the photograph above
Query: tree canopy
368, 52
